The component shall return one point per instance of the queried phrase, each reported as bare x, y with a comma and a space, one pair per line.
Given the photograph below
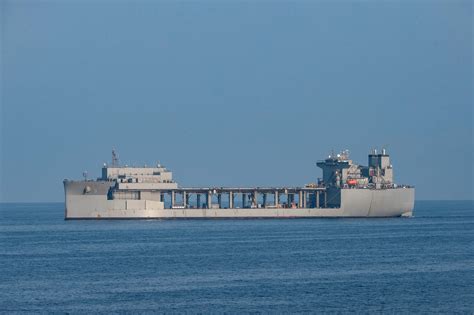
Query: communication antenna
115, 159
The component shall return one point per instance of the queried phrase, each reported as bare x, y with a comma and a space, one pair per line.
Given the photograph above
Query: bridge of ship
231, 197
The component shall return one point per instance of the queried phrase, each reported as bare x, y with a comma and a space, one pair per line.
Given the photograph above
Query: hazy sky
235, 92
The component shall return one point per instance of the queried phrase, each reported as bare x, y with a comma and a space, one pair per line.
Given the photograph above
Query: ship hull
92, 203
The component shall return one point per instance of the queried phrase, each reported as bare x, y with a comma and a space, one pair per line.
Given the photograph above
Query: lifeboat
351, 182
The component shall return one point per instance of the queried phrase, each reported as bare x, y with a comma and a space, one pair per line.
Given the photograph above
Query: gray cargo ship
345, 190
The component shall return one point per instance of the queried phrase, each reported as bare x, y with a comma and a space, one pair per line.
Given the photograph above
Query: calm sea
397, 265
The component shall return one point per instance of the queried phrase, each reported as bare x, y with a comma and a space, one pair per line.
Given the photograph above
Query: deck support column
317, 199
198, 200
209, 199
185, 199
173, 198
231, 200
277, 199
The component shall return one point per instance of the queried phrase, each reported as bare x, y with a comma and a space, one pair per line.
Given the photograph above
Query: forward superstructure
345, 190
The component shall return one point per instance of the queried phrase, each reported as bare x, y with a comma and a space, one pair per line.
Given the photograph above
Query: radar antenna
115, 159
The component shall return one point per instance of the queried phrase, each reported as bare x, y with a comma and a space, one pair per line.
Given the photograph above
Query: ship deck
225, 197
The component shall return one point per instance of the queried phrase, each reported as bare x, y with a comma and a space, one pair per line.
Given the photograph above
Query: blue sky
235, 92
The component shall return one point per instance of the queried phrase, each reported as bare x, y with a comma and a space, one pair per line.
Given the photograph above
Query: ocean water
423, 264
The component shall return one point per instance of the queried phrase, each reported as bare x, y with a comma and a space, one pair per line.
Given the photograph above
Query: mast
115, 159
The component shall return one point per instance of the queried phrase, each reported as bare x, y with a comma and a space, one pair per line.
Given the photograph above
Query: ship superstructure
345, 190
